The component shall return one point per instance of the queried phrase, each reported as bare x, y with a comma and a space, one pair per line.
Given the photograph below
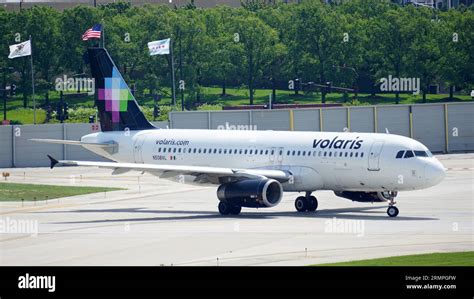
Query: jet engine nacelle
364, 196
252, 193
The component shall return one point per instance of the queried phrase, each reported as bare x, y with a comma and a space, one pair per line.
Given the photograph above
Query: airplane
252, 169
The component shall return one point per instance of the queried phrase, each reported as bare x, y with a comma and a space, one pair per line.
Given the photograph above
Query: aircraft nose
434, 173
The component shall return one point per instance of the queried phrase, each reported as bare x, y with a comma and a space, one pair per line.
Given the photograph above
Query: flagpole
172, 73
33, 82
103, 34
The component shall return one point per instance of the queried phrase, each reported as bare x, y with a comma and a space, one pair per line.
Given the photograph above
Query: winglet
53, 161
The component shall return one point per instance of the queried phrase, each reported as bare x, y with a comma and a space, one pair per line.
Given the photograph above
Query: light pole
180, 34
356, 75
5, 69
78, 85
181, 90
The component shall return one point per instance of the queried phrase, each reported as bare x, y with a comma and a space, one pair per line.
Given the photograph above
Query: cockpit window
400, 154
421, 154
408, 154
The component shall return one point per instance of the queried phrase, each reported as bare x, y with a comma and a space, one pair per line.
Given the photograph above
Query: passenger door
374, 156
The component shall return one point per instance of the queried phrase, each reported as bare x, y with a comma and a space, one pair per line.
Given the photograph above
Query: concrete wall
17, 150
441, 127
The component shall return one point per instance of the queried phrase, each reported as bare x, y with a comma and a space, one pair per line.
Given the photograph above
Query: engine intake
252, 193
363, 196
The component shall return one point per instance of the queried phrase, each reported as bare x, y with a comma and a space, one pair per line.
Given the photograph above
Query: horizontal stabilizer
109, 147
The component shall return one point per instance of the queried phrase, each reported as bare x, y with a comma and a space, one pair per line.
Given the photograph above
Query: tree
424, 57
319, 30
390, 38
456, 36
258, 43
223, 55
43, 26
73, 23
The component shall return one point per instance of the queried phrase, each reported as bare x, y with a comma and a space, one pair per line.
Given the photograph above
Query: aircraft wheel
224, 208
312, 203
301, 204
392, 211
235, 210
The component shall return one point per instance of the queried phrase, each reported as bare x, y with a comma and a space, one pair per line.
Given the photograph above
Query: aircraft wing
203, 174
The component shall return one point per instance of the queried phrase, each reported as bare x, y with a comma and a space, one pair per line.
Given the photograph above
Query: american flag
93, 32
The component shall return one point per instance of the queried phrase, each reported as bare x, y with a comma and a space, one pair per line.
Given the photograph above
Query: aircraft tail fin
118, 109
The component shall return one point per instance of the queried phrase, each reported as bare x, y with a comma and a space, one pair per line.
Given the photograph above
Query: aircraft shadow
368, 213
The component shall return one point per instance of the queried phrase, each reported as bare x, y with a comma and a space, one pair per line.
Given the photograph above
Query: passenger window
299, 153
240, 152
245, 152
304, 153
325, 153
288, 153
408, 154
169, 150
225, 151
159, 149
266, 152
220, 151
330, 154
179, 150
356, 154
361, 155
319, 153
345, 155
293, 153
340, 154
215, 150
280, 153
351, 155
400, 154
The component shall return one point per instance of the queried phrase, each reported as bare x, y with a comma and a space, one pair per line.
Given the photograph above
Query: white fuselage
317, 160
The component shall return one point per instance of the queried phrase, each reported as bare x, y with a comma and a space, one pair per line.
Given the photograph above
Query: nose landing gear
392, 210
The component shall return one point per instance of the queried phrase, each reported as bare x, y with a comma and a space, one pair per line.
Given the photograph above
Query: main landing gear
392, 210
226, 208
306, 203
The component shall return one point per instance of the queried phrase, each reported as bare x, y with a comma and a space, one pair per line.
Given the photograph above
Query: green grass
465, 258
234, 97
28, 192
